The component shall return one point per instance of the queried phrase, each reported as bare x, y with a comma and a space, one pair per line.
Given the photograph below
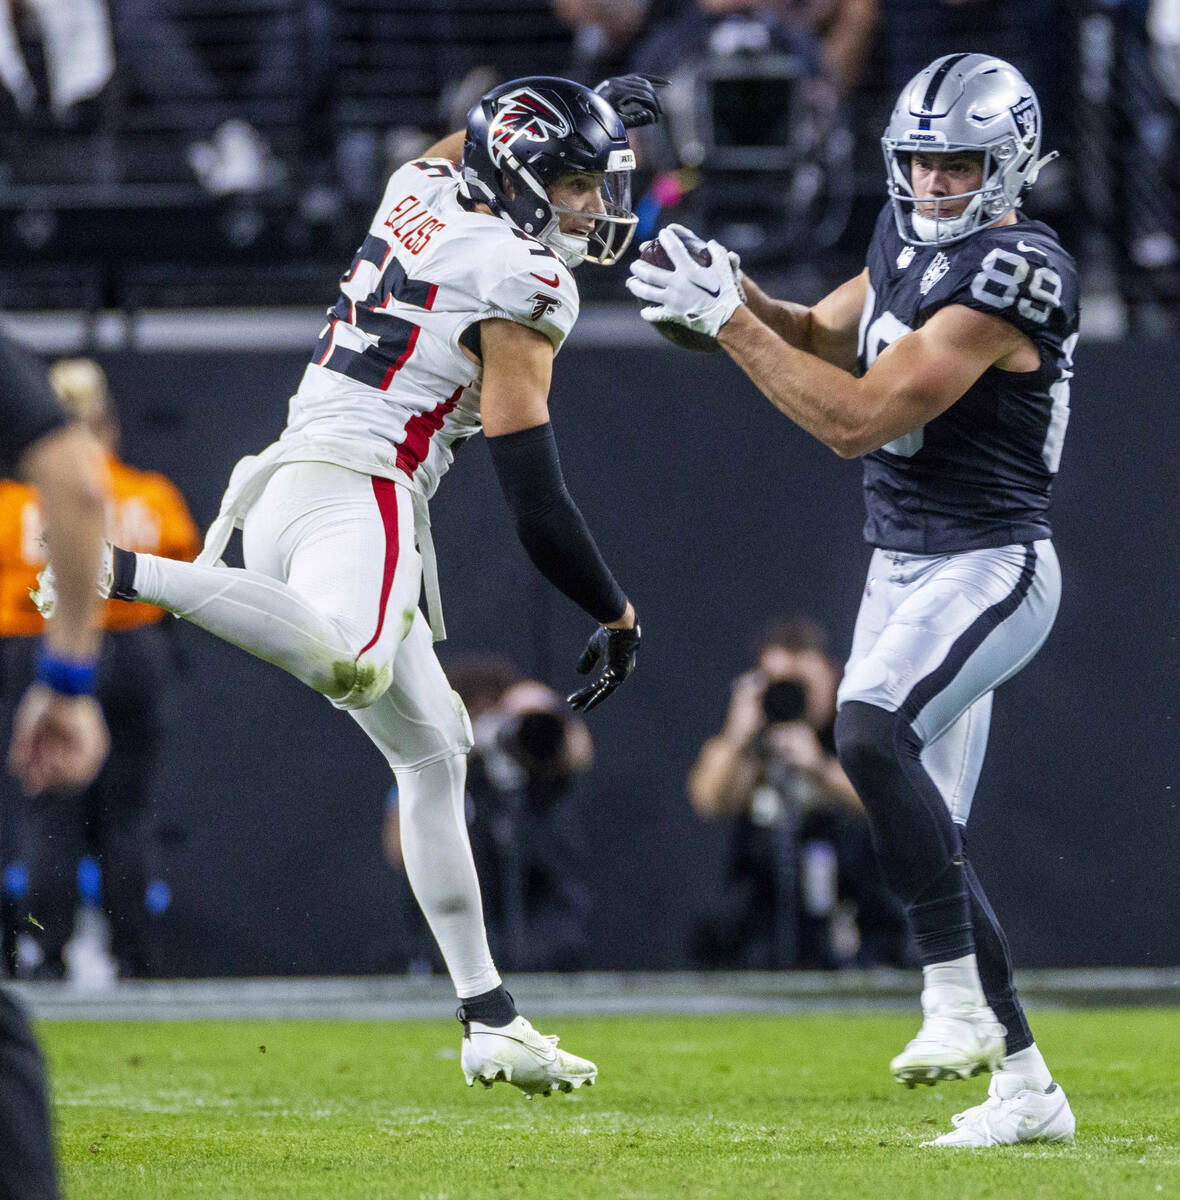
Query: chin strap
930, 228
569, 248
475, 190
1035, 172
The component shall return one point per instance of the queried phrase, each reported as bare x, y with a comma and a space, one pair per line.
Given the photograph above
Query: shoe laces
550, 1039
530, 1033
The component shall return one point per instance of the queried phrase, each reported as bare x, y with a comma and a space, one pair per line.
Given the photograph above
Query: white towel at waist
250, 476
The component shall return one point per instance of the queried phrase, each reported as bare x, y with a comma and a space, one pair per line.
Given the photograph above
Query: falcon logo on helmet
527, 135
523, 114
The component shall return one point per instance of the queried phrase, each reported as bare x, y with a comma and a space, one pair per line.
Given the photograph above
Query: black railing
237, 151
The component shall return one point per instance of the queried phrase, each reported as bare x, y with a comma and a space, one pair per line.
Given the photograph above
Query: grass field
685, 1107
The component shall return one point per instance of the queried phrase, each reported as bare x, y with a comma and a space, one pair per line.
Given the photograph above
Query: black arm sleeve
28, 408
549, 524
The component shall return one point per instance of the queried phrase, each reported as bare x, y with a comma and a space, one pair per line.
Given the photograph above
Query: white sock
439, 866
258, 614
959, 973
1029, 1064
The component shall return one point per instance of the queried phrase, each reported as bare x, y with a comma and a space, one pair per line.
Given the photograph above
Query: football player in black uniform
59, 739
946, 364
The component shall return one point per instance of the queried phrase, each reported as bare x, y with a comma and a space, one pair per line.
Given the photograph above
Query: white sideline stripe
260, 329
596, 994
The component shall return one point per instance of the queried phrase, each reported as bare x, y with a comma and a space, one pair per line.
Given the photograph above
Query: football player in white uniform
448, 321
946, 363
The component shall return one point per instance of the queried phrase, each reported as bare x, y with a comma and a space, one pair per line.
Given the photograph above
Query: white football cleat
44, 595
959, 1038
1012, 1113
517, 1054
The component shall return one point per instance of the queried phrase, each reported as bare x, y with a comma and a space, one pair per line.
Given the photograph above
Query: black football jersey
980, 473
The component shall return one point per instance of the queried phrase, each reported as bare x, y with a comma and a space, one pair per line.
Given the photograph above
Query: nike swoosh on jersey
547, 282
1020, 245
707, 291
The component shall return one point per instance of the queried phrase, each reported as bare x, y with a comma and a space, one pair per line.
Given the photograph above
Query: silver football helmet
963, 102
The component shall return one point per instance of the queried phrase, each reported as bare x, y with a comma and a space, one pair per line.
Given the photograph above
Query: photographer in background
800, 841
523, 807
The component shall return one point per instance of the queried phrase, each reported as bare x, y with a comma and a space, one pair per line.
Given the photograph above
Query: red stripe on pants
385, 490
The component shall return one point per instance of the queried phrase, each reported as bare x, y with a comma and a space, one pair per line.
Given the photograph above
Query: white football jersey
395, 377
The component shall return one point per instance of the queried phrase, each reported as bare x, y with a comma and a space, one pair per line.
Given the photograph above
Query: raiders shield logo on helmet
523, 114
1025, 116
543, 304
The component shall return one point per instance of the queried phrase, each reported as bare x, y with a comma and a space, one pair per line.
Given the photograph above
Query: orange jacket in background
146, 513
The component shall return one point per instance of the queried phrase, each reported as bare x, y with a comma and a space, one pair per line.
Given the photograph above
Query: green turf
686, 1107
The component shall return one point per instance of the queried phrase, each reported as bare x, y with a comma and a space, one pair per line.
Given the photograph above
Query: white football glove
702, 298
735, 261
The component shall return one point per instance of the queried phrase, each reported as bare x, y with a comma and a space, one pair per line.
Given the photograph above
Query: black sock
123, 574
492, 1008
995, 966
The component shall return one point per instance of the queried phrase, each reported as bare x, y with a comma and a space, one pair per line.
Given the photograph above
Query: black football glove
634, 98
615, 650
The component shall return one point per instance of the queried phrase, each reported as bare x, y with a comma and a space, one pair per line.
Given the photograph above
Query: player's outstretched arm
59, 739
66, 468
517, 369
919, 376
827, 329
635, 98
449, 147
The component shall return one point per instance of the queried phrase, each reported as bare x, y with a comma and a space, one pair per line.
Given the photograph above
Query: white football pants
937, 634
330, 594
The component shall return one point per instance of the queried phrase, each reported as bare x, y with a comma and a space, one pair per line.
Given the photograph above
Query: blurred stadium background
181, 182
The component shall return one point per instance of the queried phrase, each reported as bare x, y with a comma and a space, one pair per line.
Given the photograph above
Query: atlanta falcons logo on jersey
543, 304
523, 114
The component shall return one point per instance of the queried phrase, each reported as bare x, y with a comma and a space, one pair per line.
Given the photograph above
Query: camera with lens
754, 114
536, 740
785, 700
748, 112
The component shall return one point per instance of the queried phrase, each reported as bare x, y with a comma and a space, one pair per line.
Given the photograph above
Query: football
680, 335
